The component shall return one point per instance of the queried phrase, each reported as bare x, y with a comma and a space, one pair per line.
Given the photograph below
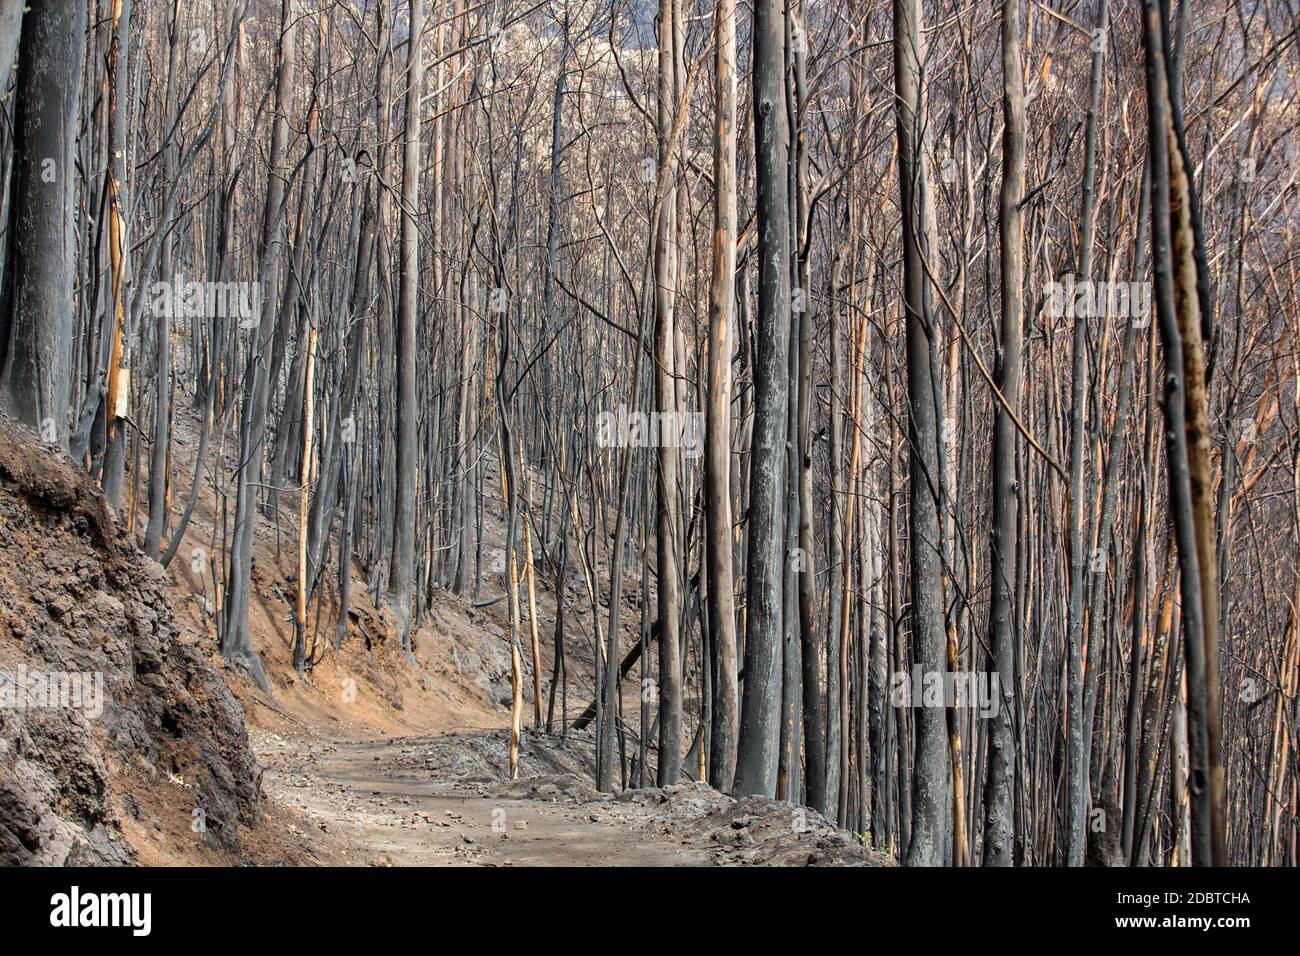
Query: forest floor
419, 801
380, 803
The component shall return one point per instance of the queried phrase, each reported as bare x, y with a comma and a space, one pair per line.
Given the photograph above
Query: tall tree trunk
717, 434
36, 303
668, 564
930, 815
304, 485
756, 760
1078, 745
1186, 440
117, 401
402, 572
162, 407
813, 640
236, 645
999, 843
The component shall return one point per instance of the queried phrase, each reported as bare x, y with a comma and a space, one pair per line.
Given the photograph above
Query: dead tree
756, 760
36, 304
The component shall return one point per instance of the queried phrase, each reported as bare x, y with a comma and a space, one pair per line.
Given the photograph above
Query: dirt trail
352, 775
367, 797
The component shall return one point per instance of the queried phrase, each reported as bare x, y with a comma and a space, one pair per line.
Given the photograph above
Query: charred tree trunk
36, 304
402, 573
756, 761
930, 817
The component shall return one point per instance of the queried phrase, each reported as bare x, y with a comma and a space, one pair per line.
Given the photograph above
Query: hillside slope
117, 732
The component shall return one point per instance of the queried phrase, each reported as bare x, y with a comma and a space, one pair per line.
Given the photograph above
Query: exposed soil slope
167, 764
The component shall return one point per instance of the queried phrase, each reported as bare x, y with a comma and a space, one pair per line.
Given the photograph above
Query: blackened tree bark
756, 760
402, 575
36, 309
163, 327
236, 644
930, 819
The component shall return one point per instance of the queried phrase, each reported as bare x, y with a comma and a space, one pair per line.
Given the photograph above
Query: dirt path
371, 804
